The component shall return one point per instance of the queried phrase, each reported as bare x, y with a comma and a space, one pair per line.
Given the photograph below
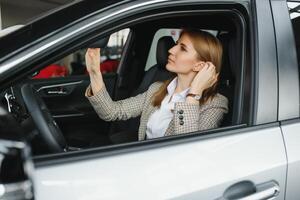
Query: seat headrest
228, 61
163, 45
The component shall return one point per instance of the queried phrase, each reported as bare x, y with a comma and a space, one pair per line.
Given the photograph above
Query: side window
294, 9
74, 64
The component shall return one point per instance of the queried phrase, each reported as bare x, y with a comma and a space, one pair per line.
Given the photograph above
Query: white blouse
160, 119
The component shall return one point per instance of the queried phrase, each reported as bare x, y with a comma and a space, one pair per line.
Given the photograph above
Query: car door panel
65, 98
66, 95
191, 169
290, 130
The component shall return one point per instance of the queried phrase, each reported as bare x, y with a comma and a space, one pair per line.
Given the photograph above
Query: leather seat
227, 84
126, 131
157, 72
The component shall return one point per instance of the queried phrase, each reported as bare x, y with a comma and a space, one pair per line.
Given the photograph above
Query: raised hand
92, 60
204, 79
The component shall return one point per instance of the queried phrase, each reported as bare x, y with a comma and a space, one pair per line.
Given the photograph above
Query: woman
187, 103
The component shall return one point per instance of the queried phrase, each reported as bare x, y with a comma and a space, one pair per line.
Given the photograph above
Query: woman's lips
170, 60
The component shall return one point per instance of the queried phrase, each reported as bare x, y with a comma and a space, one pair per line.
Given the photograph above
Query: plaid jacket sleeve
110, 110
191, 118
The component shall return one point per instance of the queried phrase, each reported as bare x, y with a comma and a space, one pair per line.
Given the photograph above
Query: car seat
121, 132
125, 131
228, 85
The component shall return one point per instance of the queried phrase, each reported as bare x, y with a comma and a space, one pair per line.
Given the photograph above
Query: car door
63, 93
70, 108
286, 18
243, 161
246, 162
16, 180
230, 163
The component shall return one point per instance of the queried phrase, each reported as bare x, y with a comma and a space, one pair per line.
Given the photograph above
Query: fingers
211, 66
211, 69
93, 51
93, 54
205, 78
92, 60
216, 78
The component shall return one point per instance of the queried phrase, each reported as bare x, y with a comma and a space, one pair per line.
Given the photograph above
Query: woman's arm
92, 59
191, 117
106, 108
110, 110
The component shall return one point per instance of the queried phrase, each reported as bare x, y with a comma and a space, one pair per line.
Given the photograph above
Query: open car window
74, 64
132, 51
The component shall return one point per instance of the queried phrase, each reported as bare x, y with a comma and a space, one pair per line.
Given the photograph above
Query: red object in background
109, 66
52, 71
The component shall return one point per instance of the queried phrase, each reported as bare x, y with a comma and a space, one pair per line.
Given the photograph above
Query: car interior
57, 117
296, 28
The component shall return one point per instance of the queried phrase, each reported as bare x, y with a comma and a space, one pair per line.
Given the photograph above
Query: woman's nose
171, 51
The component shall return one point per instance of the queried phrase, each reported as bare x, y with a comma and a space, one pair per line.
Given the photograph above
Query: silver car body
266, 155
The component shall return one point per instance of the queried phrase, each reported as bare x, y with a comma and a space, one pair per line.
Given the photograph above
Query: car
54, 146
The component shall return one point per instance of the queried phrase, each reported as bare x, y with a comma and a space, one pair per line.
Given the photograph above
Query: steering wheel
49, 131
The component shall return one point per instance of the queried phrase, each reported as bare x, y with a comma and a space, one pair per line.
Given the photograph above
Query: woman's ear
198, 66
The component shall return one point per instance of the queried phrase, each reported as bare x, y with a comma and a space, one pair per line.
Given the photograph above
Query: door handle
246, 190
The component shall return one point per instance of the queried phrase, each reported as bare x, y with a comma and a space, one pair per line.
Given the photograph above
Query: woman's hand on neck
184, 81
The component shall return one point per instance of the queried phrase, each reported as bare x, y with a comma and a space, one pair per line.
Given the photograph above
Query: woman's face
182, 57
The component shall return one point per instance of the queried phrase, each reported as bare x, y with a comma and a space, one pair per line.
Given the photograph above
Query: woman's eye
182, 48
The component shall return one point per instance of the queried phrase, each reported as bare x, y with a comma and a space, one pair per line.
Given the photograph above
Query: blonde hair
209, 49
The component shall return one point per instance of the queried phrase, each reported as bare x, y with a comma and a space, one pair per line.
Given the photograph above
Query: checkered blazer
187, 117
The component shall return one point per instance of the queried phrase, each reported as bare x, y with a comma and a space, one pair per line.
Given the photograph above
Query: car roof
55, 20
52, 20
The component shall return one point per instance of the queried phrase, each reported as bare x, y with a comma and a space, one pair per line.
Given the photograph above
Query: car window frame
124, 147
77, 51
